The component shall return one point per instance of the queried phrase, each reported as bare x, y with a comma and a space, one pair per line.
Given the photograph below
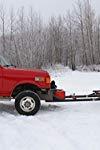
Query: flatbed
95, 96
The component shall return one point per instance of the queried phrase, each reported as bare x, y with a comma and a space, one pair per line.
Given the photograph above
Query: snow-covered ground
57, 126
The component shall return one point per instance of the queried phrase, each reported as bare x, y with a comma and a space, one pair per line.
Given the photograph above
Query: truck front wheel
27, 103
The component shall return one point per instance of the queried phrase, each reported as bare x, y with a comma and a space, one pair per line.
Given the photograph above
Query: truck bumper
52, 95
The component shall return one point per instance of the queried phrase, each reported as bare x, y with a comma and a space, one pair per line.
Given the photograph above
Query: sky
48, 8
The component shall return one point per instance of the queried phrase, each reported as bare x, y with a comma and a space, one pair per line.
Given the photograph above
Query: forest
71, 40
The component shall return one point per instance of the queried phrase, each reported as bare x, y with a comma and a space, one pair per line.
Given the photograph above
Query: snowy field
57, 126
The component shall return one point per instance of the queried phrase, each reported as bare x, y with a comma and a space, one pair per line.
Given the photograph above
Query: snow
75, 81
57, 126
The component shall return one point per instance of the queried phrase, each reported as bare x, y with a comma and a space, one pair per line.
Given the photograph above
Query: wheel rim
27, 104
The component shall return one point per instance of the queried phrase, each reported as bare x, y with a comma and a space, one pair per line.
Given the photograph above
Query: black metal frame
95, 96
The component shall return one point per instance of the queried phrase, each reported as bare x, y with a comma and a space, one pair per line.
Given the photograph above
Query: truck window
3, 62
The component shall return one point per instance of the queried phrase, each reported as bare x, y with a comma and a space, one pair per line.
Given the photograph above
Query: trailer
58, 94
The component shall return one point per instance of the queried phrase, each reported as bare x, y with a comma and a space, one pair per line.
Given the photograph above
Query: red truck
27, 87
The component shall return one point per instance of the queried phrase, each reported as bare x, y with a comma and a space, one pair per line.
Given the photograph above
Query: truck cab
26, 86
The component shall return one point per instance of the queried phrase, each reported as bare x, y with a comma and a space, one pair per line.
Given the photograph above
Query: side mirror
1, 66
13, 65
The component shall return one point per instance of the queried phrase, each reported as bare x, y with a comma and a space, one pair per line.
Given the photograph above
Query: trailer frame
95, 96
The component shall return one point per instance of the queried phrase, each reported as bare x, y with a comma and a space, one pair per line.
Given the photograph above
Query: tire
27, 103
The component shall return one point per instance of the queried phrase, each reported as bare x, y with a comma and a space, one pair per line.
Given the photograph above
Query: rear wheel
27, 103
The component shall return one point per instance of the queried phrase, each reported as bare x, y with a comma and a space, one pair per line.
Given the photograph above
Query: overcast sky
48, 7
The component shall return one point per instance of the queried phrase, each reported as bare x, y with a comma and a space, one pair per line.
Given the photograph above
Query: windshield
4, 62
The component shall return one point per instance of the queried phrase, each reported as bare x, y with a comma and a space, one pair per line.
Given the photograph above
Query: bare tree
3, 22
79, 20
71, 40
89, 24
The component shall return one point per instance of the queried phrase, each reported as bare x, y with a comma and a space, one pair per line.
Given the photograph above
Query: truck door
1, 79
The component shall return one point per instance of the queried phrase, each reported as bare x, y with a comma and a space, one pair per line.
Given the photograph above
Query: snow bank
89, 68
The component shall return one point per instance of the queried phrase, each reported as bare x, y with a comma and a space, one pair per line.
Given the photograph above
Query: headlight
43, 79
40, 79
